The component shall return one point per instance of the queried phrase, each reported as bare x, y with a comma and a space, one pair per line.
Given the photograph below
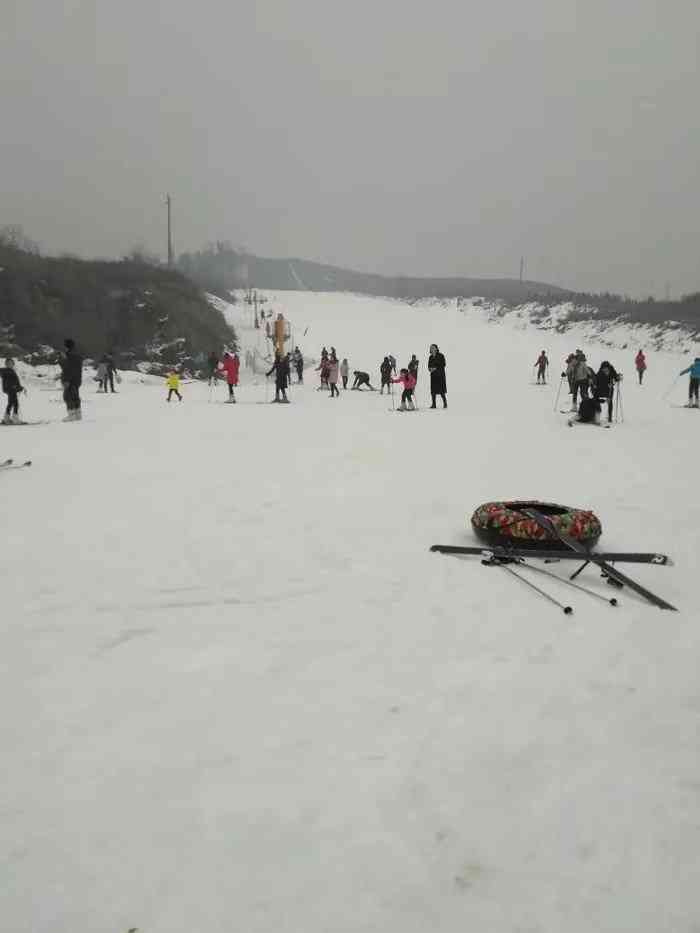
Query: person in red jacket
640, 361
408, 381
231, 366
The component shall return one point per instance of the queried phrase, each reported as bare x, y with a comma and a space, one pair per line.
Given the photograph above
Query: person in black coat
606, 379
361, 379
281, 370
436, 368
11, 386
71, 365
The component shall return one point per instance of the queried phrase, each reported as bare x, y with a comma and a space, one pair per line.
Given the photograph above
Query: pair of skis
572, 550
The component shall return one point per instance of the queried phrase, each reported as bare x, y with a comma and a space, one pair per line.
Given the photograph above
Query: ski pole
576, 586
567, 610
669, 390
561, 383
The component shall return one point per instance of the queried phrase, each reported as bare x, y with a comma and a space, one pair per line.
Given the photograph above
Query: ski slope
238, 692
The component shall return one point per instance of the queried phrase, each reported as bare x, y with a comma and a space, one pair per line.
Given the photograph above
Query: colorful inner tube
503, 523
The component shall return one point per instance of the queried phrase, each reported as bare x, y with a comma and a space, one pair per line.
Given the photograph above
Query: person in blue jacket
694, 384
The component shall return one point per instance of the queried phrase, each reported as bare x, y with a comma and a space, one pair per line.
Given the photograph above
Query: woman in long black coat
436, 368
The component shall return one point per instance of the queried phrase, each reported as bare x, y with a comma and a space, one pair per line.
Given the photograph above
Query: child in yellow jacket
173, 383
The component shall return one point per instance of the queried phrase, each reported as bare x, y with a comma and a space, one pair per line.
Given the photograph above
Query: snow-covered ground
239, 694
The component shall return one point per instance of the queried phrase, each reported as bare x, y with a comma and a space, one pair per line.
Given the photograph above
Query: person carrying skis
231, 366
71, 377
436, 368
11, 386
172, 380
361, 379
333, 369
385, 375
694, 384
212, 367
413, 366
281, 370
408, 380
344, 372
542, 365
606, 379
640, 362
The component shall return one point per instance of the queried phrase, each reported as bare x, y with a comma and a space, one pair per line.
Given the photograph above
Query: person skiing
298, 361
436, 368
413, 367
581, 378
11, 386
344, 372
569, 371
281, 370
212, 367
333, 368
231, 366
588, 412
640, 361
694, 384
101, 376
110, 372
542, 365
408, 380
361, 379
71, 377
385, 375
172, 380
606, 379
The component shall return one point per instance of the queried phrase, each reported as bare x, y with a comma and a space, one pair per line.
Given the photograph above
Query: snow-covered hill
238, 692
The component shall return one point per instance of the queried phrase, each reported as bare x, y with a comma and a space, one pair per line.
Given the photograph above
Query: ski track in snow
238, 693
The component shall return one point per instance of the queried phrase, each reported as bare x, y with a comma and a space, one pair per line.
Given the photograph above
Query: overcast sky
433, 138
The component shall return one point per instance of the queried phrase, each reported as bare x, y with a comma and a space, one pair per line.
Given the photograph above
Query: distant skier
640, 362
71, 364
111, 372
436, 368
333, 371
413, 365
172, 380
11, 386
281, 370
231, 367
101, 376
385, 370
212, 367
542, 365
606, 380
694, 384
298, 360
344, 372
408, 380
361, 379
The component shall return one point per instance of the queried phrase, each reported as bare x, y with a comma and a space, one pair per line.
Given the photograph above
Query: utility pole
522, 268
168, 202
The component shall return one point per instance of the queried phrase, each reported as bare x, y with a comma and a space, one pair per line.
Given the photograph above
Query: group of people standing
408, 378
589, 389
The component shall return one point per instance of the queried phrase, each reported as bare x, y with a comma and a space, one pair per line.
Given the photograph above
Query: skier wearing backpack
11, 386
694, 384
408, 380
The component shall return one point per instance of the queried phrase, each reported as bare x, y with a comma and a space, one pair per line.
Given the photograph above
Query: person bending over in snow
172, 380
588, 412
385, 375
361, 379
408, 381
605, 381
281, 370
542, 365
231, 366
694, 384
11, 386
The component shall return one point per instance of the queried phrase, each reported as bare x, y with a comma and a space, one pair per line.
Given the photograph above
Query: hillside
130, 308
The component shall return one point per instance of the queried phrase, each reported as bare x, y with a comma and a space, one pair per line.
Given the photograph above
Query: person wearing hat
694, 384
71, 364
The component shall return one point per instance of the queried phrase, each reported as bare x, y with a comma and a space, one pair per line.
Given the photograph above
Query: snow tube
503, 523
